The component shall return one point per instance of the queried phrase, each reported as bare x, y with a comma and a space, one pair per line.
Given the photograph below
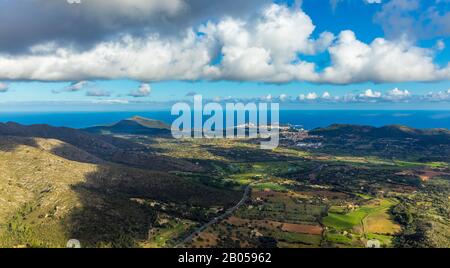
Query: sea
307, 119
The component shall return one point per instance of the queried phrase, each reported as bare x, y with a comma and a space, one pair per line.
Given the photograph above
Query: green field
350, 220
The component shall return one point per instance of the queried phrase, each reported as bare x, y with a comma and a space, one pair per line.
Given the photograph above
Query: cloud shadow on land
110, 204
107, 216
115, 209
10, 143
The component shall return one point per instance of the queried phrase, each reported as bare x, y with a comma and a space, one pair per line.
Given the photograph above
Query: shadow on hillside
107, 148
112, 212
114, 200
107, 216
9, 144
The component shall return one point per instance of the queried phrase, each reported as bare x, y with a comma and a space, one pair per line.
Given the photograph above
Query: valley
113, 187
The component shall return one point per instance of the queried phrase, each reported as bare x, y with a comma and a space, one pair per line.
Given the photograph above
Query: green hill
396, 132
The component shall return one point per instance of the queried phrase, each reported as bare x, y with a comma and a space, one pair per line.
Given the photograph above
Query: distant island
136, 125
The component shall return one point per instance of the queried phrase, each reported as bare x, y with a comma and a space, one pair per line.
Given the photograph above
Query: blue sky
408, 64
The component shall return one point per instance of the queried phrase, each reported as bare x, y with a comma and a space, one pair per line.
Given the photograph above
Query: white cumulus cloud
326, 95
443, 95
266, 49
397, 94
267, 98
144, 90
369, 93
380, 61
310, 96
284, 97
440, 45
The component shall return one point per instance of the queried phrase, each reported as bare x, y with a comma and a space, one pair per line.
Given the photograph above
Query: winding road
221, 217
230, 211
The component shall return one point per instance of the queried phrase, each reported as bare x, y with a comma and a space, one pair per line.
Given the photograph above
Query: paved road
219, 218
230, 211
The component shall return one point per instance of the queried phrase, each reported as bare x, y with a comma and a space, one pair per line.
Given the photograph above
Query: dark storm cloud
27, 23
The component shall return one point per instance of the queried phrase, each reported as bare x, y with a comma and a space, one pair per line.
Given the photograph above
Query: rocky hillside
105, 147
51, 191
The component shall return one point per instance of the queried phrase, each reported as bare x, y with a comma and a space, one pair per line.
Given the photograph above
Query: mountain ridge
135, 125
105, 147
435, 136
